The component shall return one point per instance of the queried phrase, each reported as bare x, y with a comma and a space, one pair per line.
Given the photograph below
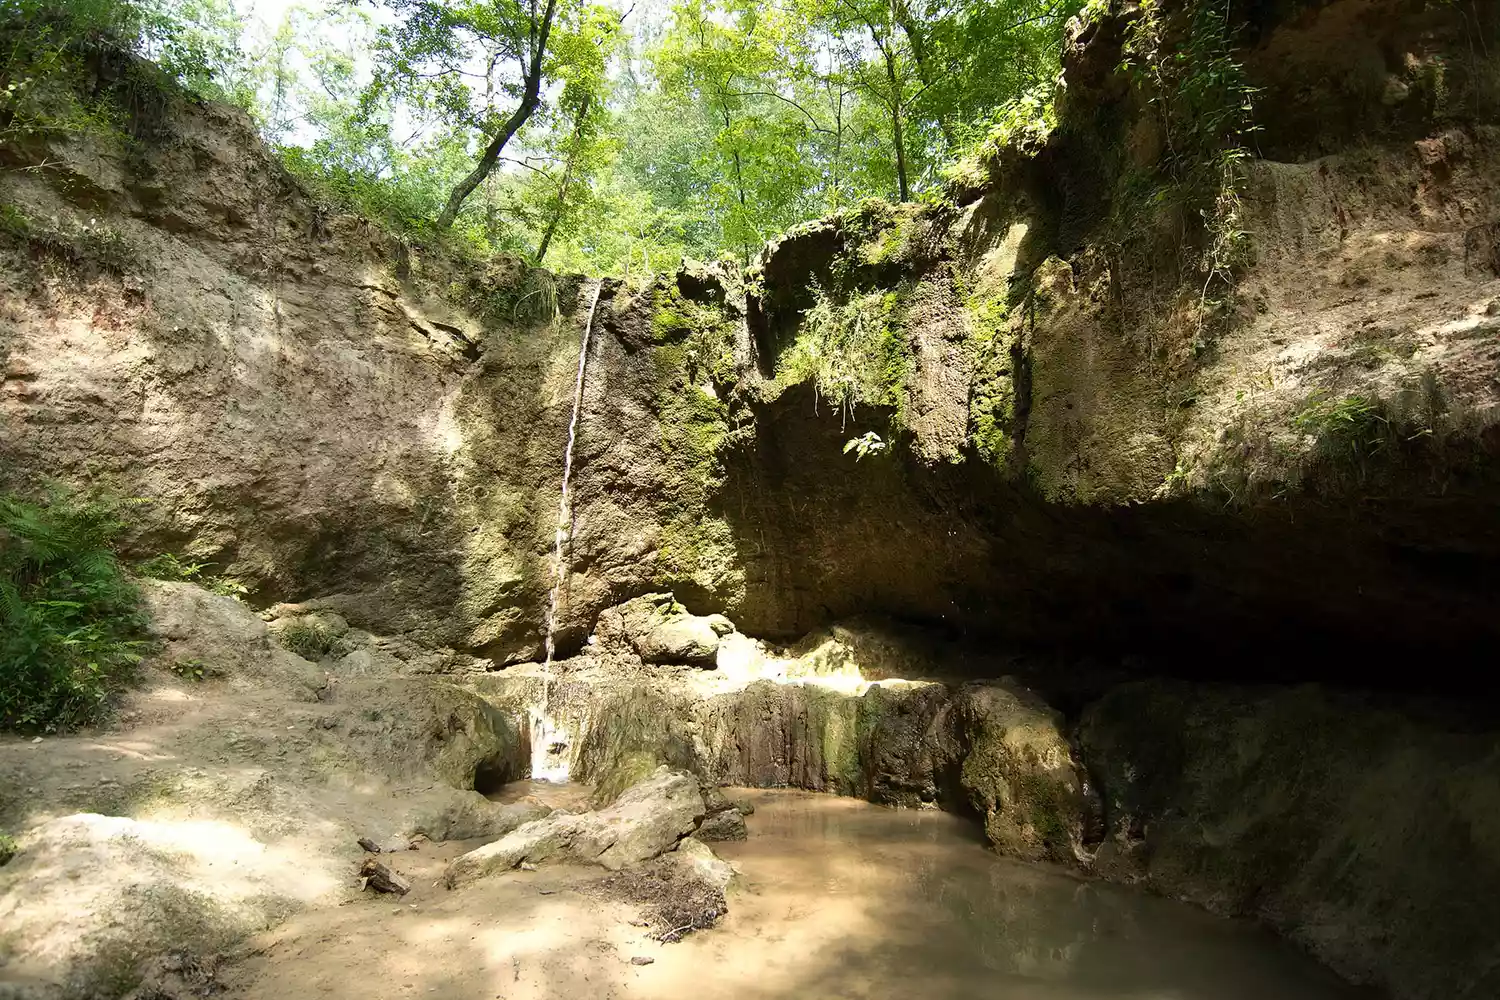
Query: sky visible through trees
616, 137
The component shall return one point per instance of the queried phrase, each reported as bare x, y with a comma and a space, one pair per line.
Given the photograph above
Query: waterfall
546, 733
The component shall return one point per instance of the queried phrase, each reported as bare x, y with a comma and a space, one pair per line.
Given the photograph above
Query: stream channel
840, 898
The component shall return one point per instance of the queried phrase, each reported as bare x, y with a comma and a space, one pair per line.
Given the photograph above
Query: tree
480, 67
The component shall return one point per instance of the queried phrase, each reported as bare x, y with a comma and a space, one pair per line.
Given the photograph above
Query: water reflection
930, 910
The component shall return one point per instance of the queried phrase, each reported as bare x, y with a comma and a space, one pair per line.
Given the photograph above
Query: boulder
461, 815
222, 637
659, 630
686, 639
647, 820
1020, 775
698, 860
725, 825
416, 728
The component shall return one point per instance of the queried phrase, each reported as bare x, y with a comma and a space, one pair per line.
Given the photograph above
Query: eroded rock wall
332, 417
1365, 832
1079, 448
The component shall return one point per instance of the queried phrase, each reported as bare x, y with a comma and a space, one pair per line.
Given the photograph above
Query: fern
71, 624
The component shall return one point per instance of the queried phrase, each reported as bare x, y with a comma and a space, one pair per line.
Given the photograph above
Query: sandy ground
834, 898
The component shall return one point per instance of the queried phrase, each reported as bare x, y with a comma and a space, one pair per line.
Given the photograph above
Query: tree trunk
528, 105
901, 182
913, 31
898, 133
567, 181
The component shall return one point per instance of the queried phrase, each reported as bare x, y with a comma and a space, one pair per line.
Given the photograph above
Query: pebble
642, 960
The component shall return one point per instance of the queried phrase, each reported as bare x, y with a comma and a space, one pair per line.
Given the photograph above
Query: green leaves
71, 625
553, 129
867, 444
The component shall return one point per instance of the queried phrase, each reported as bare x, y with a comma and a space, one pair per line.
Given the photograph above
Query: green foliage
1020, 125
76, 245
867, 444
1204, 112
167, 566
189, 670
71, 623
1348, 429
310, 640
8, 848
853, 352
50, 51
701, 129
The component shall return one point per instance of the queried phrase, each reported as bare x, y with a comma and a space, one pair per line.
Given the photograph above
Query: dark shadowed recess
1382, 593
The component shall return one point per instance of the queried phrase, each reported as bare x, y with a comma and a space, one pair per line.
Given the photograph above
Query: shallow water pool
842, 898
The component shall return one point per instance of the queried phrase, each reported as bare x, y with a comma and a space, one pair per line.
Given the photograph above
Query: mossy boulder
421, 728
660, 630
1020, 775
1367, 833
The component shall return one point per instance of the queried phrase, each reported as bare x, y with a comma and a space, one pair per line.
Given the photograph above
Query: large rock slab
1367, 834
647, 820
460, 815
89, 899
222, 638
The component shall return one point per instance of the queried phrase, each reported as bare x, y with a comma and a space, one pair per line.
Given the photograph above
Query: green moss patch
993, 346
854, 352
694, 358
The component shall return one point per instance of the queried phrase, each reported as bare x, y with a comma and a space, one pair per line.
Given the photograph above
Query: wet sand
836, 898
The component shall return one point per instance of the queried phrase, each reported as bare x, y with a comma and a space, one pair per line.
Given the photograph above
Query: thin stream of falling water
544, 731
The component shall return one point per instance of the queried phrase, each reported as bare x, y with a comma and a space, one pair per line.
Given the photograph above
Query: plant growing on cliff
168, 566
853, 352
309, 639
866, 445
71, 622
1203, 104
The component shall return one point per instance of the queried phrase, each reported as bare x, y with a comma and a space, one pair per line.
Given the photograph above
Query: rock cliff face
1085, 447
1061, 434
1363, 832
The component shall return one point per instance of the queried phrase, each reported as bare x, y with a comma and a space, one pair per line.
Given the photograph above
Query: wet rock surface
994, 748
1367, 832
645, 821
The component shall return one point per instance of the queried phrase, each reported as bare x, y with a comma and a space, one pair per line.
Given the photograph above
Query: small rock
37, 740
727, 824
642, 960
1493, 309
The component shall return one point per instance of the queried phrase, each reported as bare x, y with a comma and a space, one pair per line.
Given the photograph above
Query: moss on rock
1020, 775
1313, 811
694, 360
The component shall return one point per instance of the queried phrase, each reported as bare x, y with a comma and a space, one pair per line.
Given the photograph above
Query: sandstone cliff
1088, 445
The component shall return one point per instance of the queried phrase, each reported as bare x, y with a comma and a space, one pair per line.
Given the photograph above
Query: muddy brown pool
842, 898
835, 898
